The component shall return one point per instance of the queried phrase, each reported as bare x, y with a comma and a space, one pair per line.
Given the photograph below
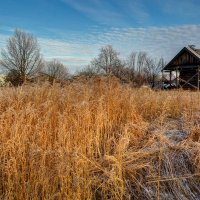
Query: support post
198, 78
170, 78
176, 78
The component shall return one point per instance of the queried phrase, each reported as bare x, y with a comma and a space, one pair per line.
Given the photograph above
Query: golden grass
99, 140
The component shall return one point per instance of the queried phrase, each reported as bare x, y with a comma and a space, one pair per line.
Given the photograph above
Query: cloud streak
100, 11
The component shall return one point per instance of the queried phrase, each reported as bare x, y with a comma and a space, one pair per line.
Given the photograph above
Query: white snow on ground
176, 148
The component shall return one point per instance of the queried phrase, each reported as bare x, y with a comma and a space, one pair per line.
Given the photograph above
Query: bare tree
56, 70
131, 61
135, 63
107, 60
141, 61
131, 67
152, 69
21, 55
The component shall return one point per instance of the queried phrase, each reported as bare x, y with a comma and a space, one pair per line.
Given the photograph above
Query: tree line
23, 61
139, 68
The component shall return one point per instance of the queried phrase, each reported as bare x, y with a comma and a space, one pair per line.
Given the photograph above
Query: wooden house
185, 66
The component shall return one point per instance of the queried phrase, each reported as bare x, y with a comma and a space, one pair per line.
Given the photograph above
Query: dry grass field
99, 139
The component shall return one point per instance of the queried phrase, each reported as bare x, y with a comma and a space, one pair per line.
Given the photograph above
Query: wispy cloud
111, 13
135, 11
100, 11
73, 54
157, 41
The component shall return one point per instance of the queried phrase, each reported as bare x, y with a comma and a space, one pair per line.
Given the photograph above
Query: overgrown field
99, 139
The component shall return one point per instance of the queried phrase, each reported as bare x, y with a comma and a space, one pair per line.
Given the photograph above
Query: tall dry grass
99, 140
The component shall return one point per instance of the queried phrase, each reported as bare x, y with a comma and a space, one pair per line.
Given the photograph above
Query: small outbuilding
185, 66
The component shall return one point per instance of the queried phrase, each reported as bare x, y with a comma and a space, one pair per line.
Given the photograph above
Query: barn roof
191, 50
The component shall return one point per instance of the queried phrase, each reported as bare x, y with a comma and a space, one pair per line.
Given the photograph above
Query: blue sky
73, 31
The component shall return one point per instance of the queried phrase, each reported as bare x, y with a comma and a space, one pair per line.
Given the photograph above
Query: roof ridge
190, 50
193, 51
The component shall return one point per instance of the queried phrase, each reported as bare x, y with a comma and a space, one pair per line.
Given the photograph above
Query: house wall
190, 76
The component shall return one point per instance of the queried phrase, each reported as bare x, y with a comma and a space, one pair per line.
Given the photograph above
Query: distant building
186, 67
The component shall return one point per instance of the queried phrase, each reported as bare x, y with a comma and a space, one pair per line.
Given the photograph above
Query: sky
73, 31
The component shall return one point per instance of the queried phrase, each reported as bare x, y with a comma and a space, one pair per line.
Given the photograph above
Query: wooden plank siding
185, 59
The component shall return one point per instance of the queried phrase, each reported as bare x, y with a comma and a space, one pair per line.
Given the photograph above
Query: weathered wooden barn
185, 67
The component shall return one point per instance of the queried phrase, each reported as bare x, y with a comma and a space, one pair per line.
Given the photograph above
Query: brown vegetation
99, 139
